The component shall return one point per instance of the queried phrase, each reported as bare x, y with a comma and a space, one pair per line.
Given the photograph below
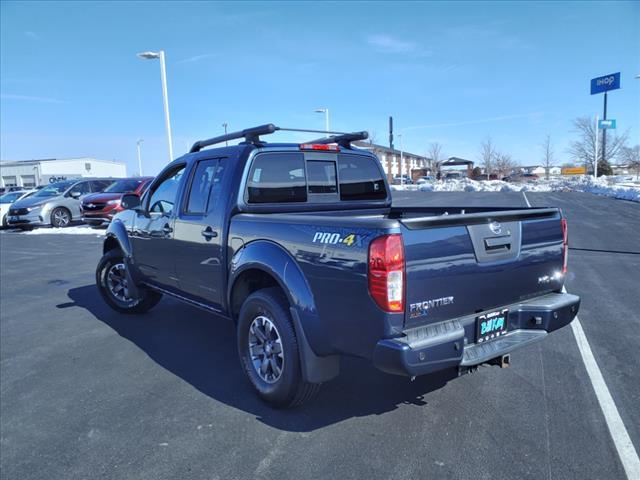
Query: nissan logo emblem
495, 227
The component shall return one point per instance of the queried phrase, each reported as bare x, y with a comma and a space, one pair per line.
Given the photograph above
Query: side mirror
130, 201
75, 195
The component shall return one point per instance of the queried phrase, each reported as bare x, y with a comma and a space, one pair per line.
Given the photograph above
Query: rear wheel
60, 217
112, 282
268, 350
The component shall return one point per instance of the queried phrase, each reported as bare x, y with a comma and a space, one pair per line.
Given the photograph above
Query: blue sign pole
604, 132
599, 85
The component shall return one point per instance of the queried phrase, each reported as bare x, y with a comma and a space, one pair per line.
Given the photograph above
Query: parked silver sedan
57, 204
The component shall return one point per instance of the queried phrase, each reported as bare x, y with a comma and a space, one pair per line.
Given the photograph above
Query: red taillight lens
386, 272
320, 146
565, 245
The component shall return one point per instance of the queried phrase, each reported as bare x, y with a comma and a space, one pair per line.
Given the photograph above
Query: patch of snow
601, 186
77, 230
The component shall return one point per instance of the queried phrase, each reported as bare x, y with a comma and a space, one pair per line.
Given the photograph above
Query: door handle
209, 233
167, 229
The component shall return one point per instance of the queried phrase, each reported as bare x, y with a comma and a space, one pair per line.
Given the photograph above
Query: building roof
456, 161
382, 148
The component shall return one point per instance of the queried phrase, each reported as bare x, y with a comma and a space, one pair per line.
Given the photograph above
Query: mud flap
315, 369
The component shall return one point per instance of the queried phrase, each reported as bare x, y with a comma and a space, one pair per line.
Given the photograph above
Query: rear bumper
448, 344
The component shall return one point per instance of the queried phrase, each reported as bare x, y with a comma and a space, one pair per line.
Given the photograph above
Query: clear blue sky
71, 83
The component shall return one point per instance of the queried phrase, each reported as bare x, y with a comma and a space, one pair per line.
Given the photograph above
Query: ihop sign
606, 83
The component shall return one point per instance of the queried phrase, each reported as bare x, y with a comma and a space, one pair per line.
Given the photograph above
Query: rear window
360, 178
285, 177
276, 178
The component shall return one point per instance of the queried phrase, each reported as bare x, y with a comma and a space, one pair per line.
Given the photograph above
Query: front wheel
60, 217
113, 285
268, 350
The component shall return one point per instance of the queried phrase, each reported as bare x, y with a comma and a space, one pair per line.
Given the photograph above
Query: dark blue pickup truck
300, 246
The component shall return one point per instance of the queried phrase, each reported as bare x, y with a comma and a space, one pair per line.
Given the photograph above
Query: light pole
165, 96
326, 117
138, 143
225, 125
401, 160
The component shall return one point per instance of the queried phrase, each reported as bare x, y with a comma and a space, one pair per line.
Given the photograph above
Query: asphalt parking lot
89, 393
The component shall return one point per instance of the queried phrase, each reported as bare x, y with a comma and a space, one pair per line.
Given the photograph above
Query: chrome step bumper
451, 343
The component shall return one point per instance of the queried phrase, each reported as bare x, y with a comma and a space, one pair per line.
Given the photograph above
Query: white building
31, 173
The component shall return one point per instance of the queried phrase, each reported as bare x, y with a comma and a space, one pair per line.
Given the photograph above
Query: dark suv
300, 246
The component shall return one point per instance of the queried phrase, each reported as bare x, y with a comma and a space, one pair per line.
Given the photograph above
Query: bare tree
631, 156
434, 154
487, 155
583, 149
547, 155
503, 164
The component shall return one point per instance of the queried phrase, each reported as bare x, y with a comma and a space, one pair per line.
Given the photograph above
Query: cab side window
205, 186
163, 197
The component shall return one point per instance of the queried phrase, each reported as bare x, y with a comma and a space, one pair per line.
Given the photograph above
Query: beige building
391, 160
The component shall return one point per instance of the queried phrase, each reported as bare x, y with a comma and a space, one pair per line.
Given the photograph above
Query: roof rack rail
252, 135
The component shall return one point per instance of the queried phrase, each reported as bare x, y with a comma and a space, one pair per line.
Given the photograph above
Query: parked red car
99, 208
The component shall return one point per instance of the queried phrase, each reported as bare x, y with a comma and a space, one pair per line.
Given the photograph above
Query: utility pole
401, 160
138, 144
225, 125
324, 110
391, 133
165, 96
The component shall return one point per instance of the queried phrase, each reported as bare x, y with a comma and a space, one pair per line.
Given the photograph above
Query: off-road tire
289, 390
110, 262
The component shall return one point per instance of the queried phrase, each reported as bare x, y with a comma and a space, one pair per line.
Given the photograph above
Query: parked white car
8, 198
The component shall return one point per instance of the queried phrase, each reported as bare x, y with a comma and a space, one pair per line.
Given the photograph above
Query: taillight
320, 146
386, 272
565, 245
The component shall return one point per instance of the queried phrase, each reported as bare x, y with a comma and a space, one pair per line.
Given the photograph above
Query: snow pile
79, 230
600, 186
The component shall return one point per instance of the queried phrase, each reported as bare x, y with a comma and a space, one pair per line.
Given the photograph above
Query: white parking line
621, 440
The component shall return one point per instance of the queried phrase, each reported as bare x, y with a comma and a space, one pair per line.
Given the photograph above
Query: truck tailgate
466, 263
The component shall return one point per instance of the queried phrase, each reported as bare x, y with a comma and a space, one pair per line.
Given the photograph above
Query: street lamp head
149, 55
320, 110
139, 141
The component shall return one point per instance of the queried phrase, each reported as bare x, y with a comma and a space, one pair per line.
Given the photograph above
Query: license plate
492, 325
14, 219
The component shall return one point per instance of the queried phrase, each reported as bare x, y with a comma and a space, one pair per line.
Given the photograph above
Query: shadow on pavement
200, 348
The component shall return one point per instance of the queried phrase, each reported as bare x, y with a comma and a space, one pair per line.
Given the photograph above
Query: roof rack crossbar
252, 135
344, 140
249, 134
